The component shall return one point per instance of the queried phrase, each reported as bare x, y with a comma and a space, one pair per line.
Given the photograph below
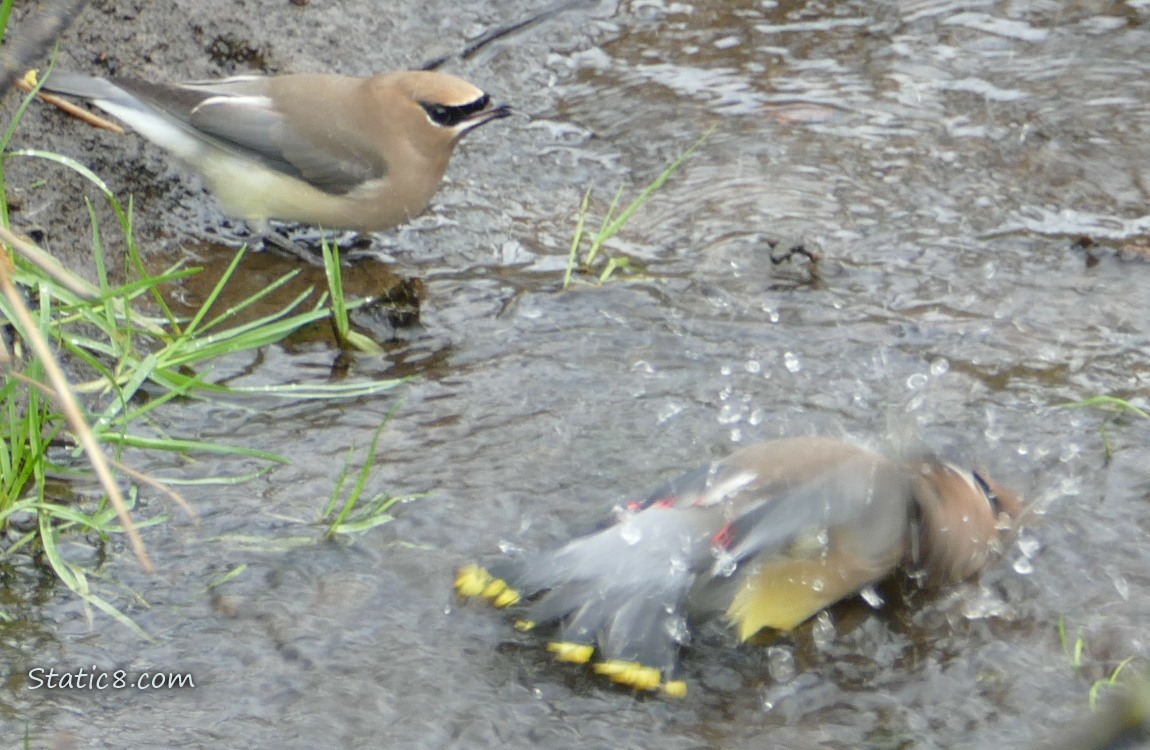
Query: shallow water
944, 159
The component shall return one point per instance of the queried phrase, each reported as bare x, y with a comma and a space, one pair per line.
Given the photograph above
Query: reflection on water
944, 158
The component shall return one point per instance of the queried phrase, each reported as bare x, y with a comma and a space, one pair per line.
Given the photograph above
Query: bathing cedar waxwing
342, 153
767, 537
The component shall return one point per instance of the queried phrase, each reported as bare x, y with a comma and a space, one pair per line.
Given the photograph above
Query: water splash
781, 664
872, 597
823, 631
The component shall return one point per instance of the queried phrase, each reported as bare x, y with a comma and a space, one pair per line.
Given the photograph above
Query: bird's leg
275, 241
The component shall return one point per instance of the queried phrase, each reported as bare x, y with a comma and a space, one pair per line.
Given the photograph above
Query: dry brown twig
28, 84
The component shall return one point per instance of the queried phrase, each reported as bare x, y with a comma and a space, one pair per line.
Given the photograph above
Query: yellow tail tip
630, 673
572, 653
524, 625
675, 688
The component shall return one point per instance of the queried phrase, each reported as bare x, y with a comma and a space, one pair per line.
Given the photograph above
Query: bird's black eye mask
991, 495
449, 116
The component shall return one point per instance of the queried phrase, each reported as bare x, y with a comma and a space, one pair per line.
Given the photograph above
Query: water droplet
872, 597
780, 664
791, 362
1022, 566
725, 564
772, 313
679, 631
818, 584
730, 413
993, 429
1069, 452
823, 631
725, 370
1121, 585
753, 366
1028, 544
756, 418
736, 435
668, 411
916, 381
643, 366
984, 603
939, 366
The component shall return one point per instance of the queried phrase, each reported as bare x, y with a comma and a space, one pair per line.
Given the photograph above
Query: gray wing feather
874, 501
253, 125
235, 115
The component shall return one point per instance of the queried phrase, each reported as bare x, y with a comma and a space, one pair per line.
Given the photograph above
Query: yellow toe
572, 653
471, 580
630, 673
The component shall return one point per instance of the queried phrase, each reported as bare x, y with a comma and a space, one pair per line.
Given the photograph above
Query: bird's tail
619, 596
81, 86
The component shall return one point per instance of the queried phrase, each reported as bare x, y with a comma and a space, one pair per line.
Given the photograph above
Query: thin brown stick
26, 85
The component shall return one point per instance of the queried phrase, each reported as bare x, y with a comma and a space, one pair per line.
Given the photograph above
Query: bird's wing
254, 125
237, 115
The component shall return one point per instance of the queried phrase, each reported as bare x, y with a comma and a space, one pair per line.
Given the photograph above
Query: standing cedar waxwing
339, 152
768, 537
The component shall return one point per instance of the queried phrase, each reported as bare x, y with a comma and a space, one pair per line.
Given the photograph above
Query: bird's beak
473, 121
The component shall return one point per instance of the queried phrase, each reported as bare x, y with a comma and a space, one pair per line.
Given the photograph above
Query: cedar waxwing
767, 537
343, 153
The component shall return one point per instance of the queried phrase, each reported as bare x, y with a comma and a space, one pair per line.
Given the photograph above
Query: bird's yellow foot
630, 673
475, 580
640, 677
572, 653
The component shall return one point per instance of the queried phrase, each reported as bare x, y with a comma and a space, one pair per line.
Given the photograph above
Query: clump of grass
344, 333
1075, 651
1117, 407
347, 511
1108, 682
348, 516
612, 224
1109, 403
